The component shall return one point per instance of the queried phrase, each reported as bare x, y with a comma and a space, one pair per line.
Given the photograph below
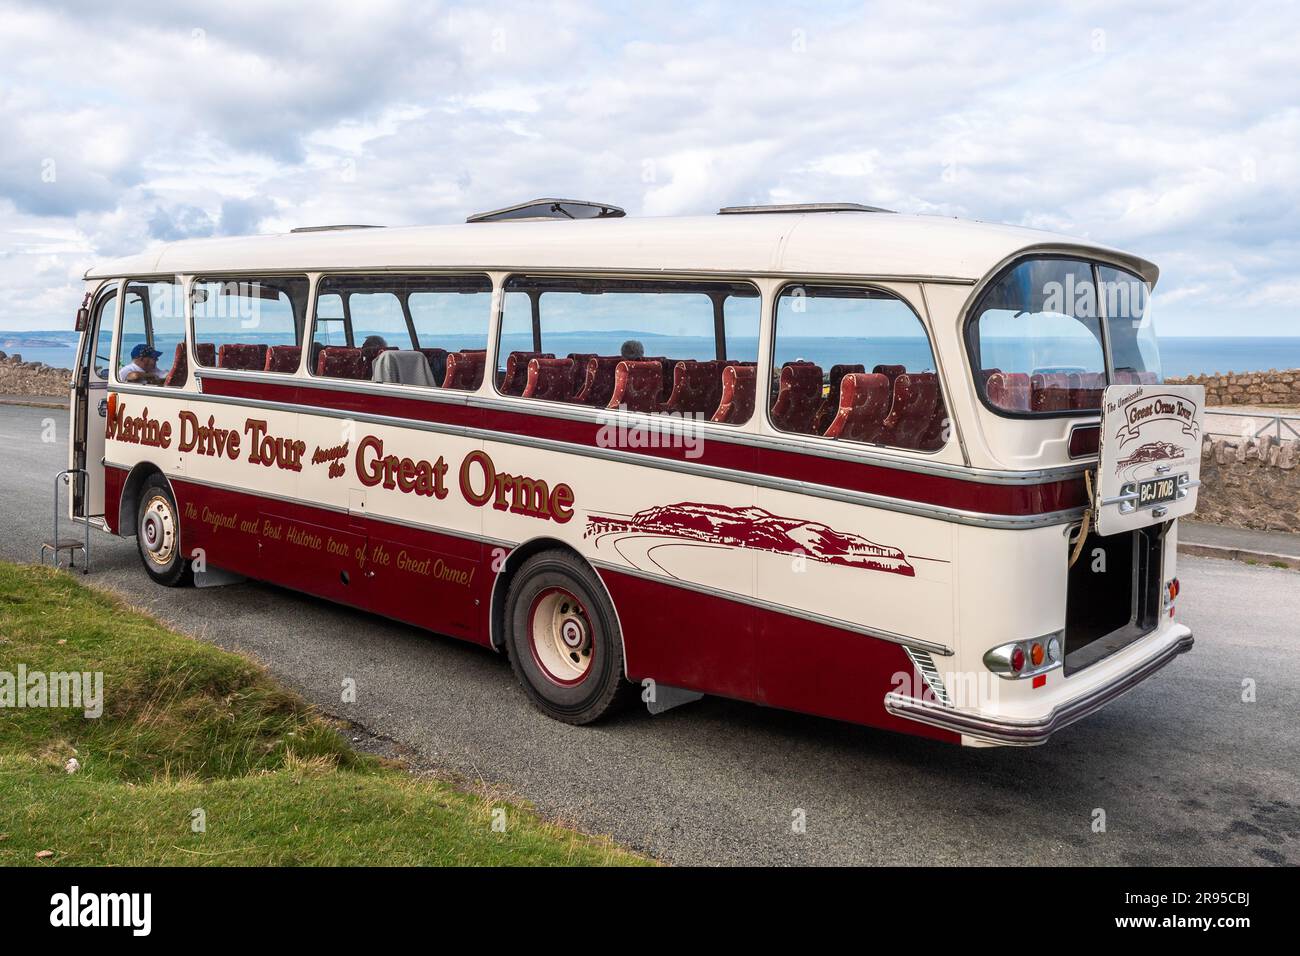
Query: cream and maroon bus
910, 472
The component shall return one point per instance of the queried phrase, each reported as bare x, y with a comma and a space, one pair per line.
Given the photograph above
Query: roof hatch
551, 209
336, 228
800, 207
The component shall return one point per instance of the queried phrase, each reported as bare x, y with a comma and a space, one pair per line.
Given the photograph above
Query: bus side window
640, 345
854, 364
397, 329
107, 326
249, 323
151, 350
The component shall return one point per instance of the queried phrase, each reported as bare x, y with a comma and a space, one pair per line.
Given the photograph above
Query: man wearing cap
143, 366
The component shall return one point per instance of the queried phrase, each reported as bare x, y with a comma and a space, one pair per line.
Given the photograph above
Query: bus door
89, 404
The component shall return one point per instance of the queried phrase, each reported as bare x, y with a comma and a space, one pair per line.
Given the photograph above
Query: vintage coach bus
911, 472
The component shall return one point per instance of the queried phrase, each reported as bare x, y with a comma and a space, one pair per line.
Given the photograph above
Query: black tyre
158, 535
563, 639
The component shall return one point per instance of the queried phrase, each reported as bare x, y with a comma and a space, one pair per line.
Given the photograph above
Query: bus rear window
1037, 343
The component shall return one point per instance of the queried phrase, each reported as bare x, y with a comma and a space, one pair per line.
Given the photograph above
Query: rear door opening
1114, 592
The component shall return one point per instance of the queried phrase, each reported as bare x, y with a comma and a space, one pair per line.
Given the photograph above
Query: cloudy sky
1168, 128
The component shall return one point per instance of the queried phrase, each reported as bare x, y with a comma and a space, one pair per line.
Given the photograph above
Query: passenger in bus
632, 351
143, 366
376, 342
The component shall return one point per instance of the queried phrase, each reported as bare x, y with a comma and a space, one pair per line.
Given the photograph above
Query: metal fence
1253, 425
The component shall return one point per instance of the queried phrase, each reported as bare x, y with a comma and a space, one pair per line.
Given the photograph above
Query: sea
1178, 355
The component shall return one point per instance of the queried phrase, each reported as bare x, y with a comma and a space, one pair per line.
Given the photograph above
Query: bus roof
875, 244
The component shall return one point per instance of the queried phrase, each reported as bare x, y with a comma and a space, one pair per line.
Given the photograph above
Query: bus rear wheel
158, 535
563, 639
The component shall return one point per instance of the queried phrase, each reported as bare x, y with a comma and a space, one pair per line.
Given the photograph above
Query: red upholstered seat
738, 389
1008, 391
340, 362
598, 385
465, 369
580, 360
916, 416
890, 372
550, 379
637, 385
830, 405
863, 407
666, 367
1086, 389
240, 356
697, 387
799, 396
180, 369
178, 374
516, 376
437, 359
1049, 392
283, 358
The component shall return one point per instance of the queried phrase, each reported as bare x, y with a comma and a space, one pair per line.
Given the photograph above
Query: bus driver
143, 366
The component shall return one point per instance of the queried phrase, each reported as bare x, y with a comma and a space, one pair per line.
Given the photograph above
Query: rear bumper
1031, 732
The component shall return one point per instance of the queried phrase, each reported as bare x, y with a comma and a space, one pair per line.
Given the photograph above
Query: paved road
1186, 772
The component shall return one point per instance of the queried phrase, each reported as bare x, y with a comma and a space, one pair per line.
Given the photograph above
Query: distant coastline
1180, 356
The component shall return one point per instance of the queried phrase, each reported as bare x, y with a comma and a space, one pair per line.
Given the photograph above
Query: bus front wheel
158, 534
563, 639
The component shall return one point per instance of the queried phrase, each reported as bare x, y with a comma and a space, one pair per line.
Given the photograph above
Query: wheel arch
514, 560
129, 504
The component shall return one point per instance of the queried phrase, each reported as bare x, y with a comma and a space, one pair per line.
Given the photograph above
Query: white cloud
1171, 129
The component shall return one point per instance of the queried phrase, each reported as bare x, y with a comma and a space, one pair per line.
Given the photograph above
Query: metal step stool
56, 545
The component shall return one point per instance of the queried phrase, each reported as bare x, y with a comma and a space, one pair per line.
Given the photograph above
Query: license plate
1157, 491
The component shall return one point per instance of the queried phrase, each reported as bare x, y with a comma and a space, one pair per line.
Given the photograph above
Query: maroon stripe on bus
771, 657
1015, 500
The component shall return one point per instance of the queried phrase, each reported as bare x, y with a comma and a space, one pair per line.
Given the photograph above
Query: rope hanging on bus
1087, 520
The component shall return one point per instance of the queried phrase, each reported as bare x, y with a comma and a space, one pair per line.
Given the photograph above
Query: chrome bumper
1030, 733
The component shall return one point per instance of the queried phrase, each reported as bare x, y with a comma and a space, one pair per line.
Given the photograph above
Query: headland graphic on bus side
757, 529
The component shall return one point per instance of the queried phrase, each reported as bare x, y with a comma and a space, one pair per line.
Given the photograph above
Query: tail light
1085, 440
1021, 659
1171, 594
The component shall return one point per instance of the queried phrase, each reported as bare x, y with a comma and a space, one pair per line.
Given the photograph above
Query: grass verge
190, 734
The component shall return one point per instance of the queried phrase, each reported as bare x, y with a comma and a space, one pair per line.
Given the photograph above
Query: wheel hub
560, 634
158, 530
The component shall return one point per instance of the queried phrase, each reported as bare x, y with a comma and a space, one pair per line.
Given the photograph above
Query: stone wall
31, 378
1247, 388
1250, 483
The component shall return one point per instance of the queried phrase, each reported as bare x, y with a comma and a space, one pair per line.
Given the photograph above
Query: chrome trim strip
877, 633
575, 271
724, 433
1031, 733
793, 486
